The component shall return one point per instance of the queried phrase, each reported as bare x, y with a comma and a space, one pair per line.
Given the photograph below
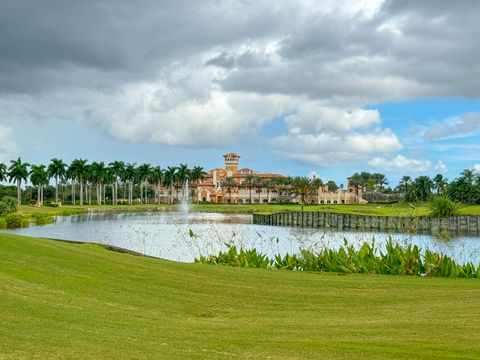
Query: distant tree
440, 183
156, 178
468, 175
18, 172
170, 178
3, 172
405, 182
58, 170
228, 183
423, 188
302, 188
249, 182
39, 177
332, 186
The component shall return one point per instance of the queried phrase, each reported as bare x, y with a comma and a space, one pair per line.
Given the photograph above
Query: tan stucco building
243, 192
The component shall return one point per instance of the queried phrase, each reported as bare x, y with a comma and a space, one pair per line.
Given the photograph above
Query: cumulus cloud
8, 146
463, 125
476, 167
441, 167
401, 163
205, 73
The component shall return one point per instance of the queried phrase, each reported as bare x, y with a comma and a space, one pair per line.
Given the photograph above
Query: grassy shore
399, 209
63, 300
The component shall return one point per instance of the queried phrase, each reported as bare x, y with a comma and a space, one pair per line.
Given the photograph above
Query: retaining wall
458, 223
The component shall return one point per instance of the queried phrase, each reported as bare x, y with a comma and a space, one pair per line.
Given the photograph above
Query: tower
231, 163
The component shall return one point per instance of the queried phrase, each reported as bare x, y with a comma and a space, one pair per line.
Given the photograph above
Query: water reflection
184, 236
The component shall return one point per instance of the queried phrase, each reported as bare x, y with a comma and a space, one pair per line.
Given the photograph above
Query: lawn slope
62, 300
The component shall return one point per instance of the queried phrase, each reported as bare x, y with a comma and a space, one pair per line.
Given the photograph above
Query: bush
442, 206
396, 260
8, 205
42, 219
14, 221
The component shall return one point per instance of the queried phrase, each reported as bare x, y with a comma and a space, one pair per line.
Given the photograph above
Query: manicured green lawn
62, 300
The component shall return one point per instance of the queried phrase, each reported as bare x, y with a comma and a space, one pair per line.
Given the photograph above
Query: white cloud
326, 149
441, 167
313, 118
463, 125
8, 146
401, 163
476, 167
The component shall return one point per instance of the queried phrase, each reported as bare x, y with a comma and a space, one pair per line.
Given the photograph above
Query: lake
184, 236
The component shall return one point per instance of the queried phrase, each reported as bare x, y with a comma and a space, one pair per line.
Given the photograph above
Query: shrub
42, 219
396, 260
14, 221
8, 205
442, 206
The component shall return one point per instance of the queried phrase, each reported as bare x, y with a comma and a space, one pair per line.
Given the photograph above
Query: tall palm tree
39, 177
156, 177
405, 182
228, 183
143, 172
183, 177
129, 178
98, 174
249, 182
197, 174
440, 183
302, 188
78, 169
3, 172
169, 179
18, 172
116, 169
468, 175
57, 170
258, 183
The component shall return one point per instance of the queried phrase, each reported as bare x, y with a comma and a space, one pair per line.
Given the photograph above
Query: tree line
463, 189
90, 181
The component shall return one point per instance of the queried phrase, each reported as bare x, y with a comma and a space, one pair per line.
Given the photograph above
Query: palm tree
3, 172
18, 172
405, 182
468, 175
259, 185
302, 188
116, 169
156, 177
249, 181
183, 176
78, 169
423, 187
98, 173
197, 174
129, 177
169, 178
143, 173
440, 183
57, 170
228, 183
39, 177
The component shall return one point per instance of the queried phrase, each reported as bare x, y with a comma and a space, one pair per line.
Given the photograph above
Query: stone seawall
458, 223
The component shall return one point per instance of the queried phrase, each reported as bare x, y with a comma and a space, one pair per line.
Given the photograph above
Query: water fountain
185, 206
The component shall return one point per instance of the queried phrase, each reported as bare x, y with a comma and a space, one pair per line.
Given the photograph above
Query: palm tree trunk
81, 191
19, 192
56, 189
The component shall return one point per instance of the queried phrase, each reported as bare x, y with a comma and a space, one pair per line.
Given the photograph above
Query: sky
295, 87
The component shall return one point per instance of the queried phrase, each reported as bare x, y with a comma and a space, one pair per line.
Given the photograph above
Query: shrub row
396, 260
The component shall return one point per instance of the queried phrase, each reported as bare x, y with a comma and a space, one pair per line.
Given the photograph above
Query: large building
234, 185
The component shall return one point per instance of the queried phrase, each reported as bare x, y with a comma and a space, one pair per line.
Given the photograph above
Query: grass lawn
62, 300
401, 209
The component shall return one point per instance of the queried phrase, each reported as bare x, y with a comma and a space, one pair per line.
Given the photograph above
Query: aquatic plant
395, 260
